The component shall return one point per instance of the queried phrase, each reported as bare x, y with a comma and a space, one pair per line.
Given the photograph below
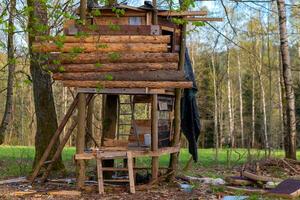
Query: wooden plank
100, 175
259, 178
122, 57
182, 13
155, 39
53, 140
114, 169
116, 180
158, 75
130, 172
204, 19
154, 137
135, 153
112, 67
80, 139
44, 47
65, 193
114, 30
128, 84
124, 91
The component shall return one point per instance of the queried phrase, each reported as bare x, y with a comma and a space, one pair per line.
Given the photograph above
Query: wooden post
83, 7
177, 123
154, 136
154, 14
89, 124
80, 140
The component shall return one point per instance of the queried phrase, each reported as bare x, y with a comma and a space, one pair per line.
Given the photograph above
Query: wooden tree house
121, 50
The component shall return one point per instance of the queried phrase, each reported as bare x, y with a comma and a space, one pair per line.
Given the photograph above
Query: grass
17, 160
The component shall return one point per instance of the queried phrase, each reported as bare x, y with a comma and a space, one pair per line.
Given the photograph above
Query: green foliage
109, 77
77, 50
60, 41
102, 46
96, 12
118, 12
61, 69
98, 65
99, 87
114, 27
198, 24
92, 27
81, 34
114, 56
179, 21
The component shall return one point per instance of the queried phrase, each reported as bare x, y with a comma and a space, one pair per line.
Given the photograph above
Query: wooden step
116, 180
114, 169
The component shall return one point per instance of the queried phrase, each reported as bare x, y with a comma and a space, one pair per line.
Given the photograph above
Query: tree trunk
109, 123
11, 70
290, 137
241, 102
263, 98
216, 109
253, 111
46, 118
229, 95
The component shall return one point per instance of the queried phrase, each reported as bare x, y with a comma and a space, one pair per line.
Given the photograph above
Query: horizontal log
113, 29
159, 75
90, 58
155, 39
128, 84
204, 19
184, 13
100, 47
113, 67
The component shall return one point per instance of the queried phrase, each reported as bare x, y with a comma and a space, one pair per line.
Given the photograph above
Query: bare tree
290, 137
11, 70
241, 101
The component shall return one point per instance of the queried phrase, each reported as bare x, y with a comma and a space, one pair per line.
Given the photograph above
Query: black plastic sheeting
190, 117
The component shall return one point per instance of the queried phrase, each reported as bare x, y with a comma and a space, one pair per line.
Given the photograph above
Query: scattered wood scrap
14, 180
239, 180
255, 177
247, 190
289, 188
65, 193
23, 193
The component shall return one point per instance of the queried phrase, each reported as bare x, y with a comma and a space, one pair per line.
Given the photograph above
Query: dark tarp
190, 118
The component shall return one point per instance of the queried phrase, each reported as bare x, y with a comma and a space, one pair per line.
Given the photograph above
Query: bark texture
46, 118
290, 137
11, 70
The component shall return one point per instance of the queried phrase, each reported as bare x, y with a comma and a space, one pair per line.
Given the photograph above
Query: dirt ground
162, 191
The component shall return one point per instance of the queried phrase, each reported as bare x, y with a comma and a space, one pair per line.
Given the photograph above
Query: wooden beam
174, 158
113, 67
80, 139
159, 75
114, 30
135, 153
122, 57
183, 13
155, 39
128, 84
53, 140
204, 19
74, 48
154, 136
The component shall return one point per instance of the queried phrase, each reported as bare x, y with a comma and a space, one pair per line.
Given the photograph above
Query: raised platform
107, 152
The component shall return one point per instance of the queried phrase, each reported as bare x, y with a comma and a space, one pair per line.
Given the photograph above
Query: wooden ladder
115, 155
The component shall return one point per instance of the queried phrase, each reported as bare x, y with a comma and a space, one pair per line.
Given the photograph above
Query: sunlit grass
17, 160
